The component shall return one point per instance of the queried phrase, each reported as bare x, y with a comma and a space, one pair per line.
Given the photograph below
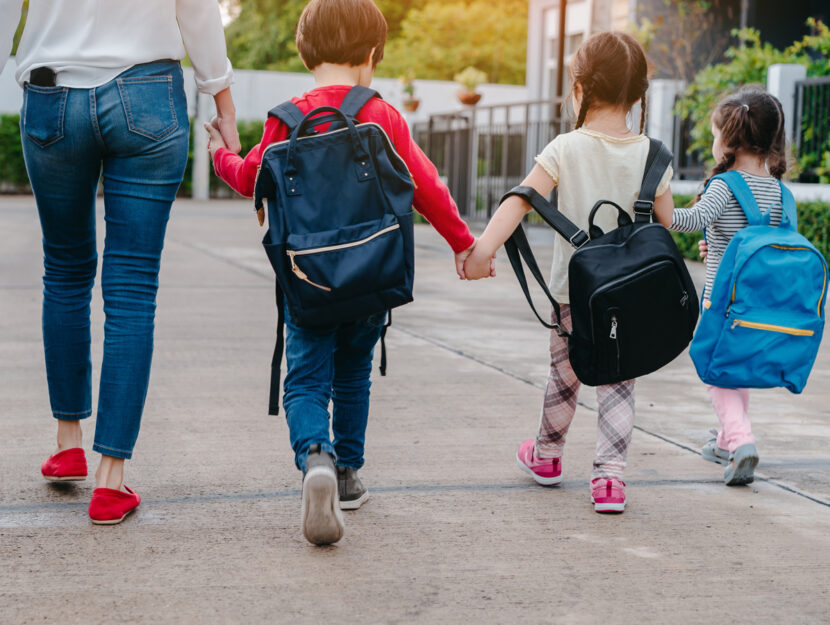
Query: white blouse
90, 42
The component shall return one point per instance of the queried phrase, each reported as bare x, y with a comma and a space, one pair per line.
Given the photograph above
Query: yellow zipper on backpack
771, 328
292, 254
787, 247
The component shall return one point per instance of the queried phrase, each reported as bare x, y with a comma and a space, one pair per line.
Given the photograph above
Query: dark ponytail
610, 68
751, 120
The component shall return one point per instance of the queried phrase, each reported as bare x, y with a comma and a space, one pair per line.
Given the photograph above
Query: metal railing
812, 118
482, 152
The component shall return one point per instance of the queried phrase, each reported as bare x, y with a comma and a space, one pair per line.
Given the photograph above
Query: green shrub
747, 64
813, 223
13, 174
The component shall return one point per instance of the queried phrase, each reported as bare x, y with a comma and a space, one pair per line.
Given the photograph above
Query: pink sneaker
546, 471
608, 495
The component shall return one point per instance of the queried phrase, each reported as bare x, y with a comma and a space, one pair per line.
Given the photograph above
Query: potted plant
469, 79
410, 102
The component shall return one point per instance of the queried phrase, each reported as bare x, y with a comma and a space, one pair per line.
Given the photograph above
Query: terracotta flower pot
411, 104
469, 98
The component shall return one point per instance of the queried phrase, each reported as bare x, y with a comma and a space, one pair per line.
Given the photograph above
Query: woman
104, 98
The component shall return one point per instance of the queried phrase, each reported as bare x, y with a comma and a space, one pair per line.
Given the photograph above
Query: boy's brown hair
611, 68
342, 32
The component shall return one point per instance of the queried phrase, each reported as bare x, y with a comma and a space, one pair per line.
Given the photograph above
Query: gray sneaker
352, 492
711, 451
321, 517
741, 467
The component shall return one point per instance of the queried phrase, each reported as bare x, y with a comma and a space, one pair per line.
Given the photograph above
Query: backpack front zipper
770, 327
292, 254
613, 337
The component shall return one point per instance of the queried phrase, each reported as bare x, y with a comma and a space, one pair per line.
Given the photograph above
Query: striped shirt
719, 212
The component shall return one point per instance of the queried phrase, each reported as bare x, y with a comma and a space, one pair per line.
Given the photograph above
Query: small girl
601, 159
748, 128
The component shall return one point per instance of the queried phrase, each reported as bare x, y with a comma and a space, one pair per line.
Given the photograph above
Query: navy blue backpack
340, 223
765, 318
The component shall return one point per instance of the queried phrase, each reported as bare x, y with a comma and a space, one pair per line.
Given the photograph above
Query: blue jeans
136, 131
329, 364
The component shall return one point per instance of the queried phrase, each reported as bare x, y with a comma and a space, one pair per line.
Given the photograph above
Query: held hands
476, 264
216, 141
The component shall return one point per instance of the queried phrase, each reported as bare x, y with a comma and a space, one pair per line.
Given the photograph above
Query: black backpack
633, 304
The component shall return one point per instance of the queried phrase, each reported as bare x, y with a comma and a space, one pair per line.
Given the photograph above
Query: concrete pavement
453, 531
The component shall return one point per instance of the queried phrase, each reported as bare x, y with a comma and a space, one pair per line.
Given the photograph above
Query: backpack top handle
623, 218
363, 163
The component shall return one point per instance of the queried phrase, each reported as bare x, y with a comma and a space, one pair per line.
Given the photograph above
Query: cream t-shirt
588, 166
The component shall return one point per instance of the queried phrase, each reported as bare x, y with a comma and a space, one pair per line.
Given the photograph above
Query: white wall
256, 92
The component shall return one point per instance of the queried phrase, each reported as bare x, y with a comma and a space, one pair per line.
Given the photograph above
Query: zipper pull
735, 324
297, 271
613, 334
684, 299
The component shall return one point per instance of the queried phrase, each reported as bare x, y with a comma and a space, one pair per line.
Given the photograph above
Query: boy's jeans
135, 130
323, 364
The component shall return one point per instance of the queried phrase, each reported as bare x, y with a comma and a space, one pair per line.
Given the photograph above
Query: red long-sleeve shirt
432, 198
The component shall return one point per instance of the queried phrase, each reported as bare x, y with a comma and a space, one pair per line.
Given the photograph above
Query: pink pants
731, 405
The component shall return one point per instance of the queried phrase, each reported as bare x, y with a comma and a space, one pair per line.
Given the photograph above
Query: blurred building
779, 23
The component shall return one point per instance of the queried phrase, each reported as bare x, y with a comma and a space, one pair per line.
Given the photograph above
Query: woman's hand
225, 120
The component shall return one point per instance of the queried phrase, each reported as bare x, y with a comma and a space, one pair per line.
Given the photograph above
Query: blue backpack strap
356, 99
789, 218
288, 113
740, 189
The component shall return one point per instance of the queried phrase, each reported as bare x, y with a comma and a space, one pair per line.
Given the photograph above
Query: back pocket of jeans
44, 109
148, 105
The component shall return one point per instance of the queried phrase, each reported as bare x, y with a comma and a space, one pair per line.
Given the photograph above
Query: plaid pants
616, 411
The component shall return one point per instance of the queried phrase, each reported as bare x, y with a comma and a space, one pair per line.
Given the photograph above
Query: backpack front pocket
764, 350
348, 262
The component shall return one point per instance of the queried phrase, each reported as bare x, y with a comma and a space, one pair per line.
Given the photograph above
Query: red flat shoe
68, 465
110, 506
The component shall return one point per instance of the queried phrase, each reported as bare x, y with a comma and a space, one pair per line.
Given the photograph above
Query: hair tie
746, 106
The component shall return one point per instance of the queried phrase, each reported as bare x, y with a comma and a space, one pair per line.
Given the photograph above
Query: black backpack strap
383, 342
550, 214
659, 158
288, 113
276, 359
518, 249
356, 99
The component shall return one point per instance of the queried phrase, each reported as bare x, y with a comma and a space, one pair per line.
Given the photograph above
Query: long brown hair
751, 120
610, 68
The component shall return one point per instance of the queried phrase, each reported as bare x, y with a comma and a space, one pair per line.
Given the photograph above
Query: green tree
395, 12
442, 38
262, 36
747, 64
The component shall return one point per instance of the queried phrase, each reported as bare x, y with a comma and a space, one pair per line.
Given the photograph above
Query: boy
340, 42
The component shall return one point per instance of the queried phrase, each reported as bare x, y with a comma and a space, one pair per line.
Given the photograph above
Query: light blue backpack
763, 324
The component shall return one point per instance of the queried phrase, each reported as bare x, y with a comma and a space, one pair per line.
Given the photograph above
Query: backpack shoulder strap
740, 189
356, 99
659, 158
276, 359
551, 214
288, 113
790, 212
